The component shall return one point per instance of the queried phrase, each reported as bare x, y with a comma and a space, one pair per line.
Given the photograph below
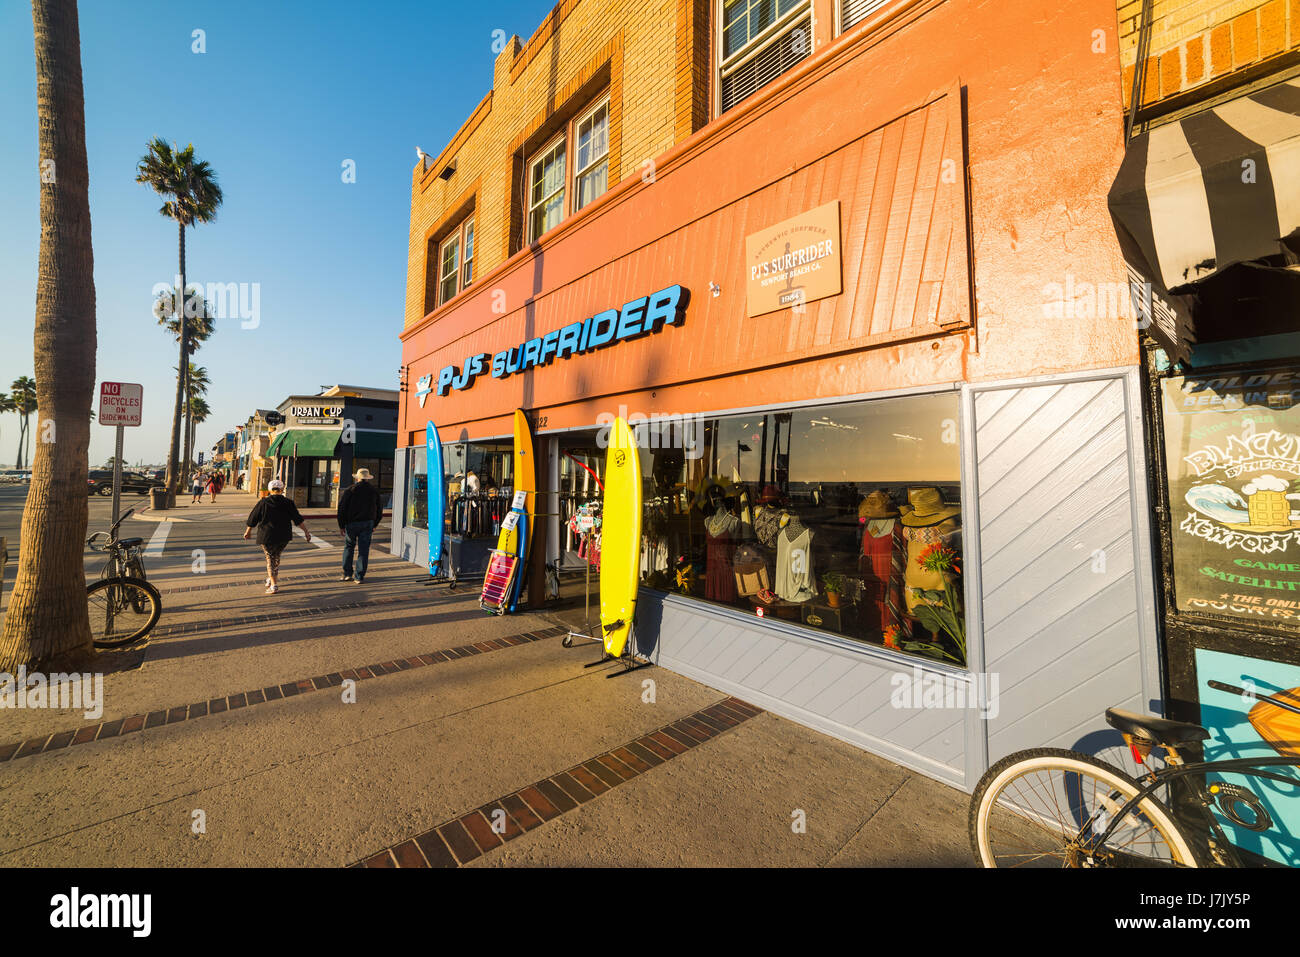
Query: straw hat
927, 508
363, 474
877, 505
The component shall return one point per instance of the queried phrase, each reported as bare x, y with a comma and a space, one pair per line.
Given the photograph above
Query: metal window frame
560, 139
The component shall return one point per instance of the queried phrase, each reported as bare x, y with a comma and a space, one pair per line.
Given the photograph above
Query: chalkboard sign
1232, 451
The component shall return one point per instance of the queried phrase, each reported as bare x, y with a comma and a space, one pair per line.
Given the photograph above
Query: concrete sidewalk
394, 723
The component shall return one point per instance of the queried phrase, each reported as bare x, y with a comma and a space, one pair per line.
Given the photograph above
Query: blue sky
283, 95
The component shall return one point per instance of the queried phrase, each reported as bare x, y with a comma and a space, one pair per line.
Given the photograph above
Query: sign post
120, 405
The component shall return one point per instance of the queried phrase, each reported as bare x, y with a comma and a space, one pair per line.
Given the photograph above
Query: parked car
101, 482
11, 476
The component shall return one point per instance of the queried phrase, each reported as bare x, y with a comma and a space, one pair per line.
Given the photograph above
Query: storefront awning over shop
1209, 191
375, 445
312, 443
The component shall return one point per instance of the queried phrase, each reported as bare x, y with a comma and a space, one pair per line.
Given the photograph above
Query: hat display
877, 505
769, 495
927, 508
363, 474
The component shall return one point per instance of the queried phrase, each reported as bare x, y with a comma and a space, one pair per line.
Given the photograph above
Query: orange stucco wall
970, 143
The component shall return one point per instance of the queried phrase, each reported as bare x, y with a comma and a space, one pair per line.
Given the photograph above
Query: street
456, 715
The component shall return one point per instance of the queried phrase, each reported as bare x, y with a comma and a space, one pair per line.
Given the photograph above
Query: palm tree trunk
173, 451
189, 425
47, 627
22, 433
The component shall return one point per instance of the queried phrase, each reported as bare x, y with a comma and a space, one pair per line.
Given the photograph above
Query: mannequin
794, 571
930, 520
721, 530
881, 563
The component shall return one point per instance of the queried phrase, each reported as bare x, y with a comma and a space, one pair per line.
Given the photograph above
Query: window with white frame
456, 261
558, 187
760, 40
467, 269
546, 180
591, 155
853, 12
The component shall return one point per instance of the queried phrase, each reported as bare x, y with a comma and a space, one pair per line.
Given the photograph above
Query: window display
417, 489
479, 487
842, 518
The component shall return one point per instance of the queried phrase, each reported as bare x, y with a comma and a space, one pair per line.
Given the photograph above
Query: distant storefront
324, 440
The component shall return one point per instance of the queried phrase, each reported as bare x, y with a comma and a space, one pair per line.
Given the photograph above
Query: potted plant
833, 582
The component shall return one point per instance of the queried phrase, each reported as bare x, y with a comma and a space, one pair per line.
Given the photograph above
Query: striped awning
1209, 191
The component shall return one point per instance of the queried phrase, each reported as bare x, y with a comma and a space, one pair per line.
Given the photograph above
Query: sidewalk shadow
181, 646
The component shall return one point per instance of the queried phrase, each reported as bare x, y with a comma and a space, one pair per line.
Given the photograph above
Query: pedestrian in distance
212, 489
359, 511
196, 486
274, 518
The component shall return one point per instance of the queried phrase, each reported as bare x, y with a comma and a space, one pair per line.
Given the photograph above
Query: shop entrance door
579, 474
322, 478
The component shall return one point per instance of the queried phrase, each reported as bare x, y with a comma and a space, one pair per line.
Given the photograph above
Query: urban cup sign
794, 262
120, 403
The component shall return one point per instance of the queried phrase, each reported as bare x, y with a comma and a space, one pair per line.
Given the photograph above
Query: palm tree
24, 397
196, 386
7, 404
199, 326
47, 627
194, 197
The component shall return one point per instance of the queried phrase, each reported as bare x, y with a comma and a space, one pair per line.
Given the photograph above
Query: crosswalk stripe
158, 541
315, 539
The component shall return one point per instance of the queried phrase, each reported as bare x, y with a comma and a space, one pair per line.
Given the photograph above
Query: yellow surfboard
620, 538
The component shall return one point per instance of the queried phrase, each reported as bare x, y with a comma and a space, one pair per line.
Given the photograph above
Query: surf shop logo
1259, 514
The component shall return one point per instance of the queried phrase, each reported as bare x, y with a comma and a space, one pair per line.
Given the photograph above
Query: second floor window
570, 171
761, 39
453, 277
591, 168
546, 190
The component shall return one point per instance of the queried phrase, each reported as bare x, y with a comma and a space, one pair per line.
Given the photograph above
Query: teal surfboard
437, 499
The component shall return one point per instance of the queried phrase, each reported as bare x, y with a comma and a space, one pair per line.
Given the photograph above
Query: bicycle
1063, 808
123, 605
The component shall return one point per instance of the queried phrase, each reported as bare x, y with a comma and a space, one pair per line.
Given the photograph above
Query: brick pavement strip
120, 726
471, 835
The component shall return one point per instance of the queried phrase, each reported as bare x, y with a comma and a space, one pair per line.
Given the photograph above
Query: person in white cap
359, 511
274, 518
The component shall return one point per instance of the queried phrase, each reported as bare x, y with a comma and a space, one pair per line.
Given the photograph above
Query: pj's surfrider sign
642, 316
1232, 448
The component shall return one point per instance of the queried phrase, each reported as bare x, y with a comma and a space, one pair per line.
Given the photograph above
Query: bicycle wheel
1048, 807
122, 610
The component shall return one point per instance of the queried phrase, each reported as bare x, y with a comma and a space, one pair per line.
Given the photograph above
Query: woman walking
212, 488
274, 518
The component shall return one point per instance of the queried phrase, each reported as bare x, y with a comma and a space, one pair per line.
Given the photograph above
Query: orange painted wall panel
1002, 201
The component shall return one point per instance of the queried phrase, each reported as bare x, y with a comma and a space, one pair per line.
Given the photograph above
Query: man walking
359, 512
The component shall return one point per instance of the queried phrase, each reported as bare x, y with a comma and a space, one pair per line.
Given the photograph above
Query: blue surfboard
437, 499
522, 555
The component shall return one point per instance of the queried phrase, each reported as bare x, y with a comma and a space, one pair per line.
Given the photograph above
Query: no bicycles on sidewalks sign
120, 403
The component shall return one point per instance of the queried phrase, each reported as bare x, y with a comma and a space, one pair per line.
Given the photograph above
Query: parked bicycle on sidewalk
123, 606
1053, 807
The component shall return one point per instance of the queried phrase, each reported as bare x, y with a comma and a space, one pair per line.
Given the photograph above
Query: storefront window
1232, 454
479, 486
417, 489
843, 518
